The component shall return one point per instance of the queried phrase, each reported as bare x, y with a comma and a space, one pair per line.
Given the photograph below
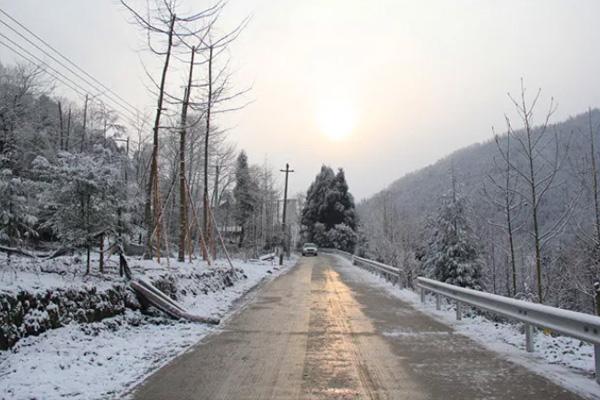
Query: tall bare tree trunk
215, 204
183, 228
68, 130
206, 140
101, 251
534, 207
152, 199
538, 187
509, 222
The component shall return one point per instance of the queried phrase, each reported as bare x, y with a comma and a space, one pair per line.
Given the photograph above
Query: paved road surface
319, 332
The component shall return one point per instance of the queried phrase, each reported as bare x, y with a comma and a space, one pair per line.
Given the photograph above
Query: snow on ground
107, 359
567, 361
33, 275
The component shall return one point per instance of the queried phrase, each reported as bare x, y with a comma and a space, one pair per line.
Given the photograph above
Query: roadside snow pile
108, 358
567, 361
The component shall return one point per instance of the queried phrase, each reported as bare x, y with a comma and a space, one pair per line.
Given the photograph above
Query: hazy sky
403, 82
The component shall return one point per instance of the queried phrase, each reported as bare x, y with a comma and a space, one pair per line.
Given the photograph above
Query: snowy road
320, 332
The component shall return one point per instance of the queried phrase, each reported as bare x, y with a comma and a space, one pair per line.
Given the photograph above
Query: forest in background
80, 174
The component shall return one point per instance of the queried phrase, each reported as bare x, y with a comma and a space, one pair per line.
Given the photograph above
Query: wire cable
119, 101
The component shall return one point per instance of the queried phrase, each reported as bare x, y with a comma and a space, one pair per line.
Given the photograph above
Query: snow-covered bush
17, 219
319, 235
87, 194
342, 237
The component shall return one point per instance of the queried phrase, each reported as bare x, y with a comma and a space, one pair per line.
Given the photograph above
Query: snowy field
567, 361
107, 359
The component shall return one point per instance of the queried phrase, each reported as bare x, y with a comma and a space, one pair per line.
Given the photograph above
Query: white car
309, 249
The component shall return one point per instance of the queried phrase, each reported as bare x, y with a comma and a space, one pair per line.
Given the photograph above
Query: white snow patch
107, 359
564, 360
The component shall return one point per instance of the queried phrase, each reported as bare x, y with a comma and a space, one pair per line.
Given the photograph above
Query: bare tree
218, 93
539, 173
508, 203
183, 228
586, 277
161, 23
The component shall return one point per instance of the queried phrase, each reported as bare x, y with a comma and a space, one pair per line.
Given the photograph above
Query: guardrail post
438, 301
458, 311
597, 361
422, 295
529, 338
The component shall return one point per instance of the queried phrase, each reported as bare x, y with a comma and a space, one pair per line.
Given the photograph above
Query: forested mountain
495, 179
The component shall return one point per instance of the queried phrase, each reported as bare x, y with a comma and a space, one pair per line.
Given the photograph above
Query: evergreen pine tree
329, 216
17, 216
243, 195
451, 254
86, 197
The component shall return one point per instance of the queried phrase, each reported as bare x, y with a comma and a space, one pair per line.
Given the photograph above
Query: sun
336, 119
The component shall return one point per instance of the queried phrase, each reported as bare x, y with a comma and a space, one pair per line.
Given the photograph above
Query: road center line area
317, 332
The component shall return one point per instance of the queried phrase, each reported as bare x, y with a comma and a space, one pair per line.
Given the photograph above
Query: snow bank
567, 361
39, 295
106, 359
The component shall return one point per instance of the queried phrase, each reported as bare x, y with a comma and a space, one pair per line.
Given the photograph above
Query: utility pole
287, 171
126, 167
85, 107
127, 161
62, 131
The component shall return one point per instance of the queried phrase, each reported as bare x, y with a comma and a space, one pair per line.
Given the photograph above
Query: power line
55, 74
67, 59
43, 69
67, 68
42, 62
124, 104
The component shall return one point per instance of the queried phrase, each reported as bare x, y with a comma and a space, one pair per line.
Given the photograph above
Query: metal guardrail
390, 273
342, 253
578, 325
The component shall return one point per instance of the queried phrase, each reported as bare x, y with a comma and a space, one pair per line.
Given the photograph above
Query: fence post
458, 311
438, 301
529, 338
422, 294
